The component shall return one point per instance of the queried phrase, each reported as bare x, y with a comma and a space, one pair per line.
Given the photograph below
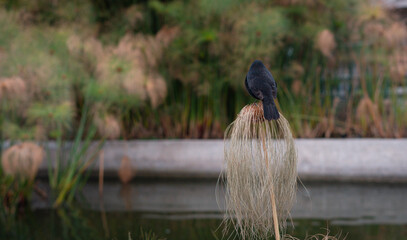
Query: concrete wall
319, 159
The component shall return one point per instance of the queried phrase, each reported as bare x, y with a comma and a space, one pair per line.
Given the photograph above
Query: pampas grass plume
156, 89
13, 88
134, 82
108, 126
125, 171
22, 160
396, 34
325, 42
261, 174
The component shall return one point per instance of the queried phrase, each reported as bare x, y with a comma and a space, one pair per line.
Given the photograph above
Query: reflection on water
179, 210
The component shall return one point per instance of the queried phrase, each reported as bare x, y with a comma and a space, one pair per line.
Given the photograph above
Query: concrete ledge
319, 159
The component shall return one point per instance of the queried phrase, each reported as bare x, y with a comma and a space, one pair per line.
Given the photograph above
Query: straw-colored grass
12, 88
261, 173
22, 160
125, 172
319, 236
108, 126
325, 43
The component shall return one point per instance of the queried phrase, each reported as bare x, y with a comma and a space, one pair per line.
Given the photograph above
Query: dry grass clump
22, 160
132, 65
133, 83
156, 90
319, 236
125, 172
368, 117
396, 34
325, 42
13, 88
398, 66
261, 173
108, 126
89, 47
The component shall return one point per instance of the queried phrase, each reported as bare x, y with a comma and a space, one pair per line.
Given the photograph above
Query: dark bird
261, 85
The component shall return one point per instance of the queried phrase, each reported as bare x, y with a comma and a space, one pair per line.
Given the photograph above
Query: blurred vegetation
18, 169
69, 172
175, 69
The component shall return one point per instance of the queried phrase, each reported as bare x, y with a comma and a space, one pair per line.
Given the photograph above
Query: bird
261, 85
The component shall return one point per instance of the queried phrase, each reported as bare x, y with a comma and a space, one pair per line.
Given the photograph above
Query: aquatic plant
15, 193
68, 173
173, 69
19, 166
261, 174
35, 80
22, 160
71, 222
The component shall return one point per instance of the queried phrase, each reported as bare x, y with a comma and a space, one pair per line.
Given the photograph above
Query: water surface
189, 210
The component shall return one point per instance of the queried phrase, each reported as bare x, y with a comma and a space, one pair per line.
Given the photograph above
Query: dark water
75, 224
180, 210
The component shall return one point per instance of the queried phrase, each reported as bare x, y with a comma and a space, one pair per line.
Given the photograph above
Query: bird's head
257, 64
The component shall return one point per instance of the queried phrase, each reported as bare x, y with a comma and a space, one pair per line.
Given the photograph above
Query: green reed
68, 174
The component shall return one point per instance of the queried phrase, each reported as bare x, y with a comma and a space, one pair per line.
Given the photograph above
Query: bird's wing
255, 94
274, 90
273, 84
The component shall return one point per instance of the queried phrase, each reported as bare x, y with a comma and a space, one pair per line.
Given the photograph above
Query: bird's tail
270, 110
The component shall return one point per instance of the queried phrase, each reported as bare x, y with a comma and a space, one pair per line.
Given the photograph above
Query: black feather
261, 85
270, 110
248, 89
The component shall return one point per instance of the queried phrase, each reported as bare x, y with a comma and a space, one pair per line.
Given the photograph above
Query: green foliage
14, 131
338, 64
110, 96
68, 175
47, 71
51, 115
15, 193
